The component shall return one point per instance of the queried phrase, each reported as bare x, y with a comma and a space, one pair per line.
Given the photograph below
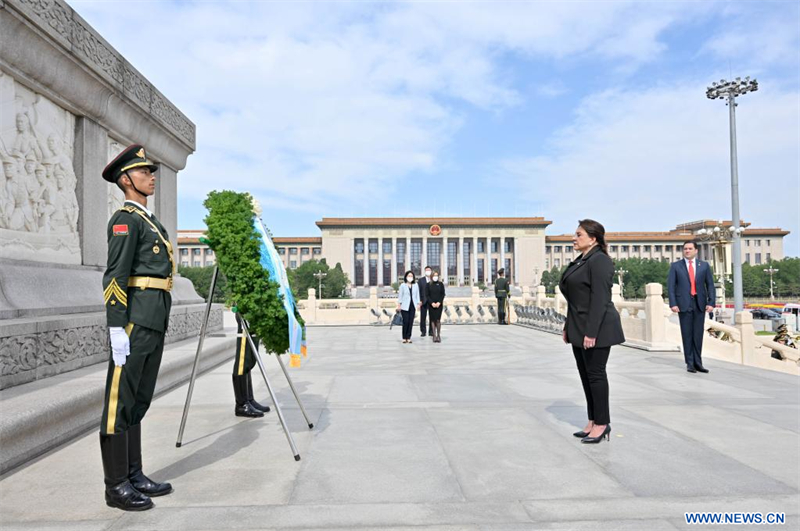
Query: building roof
706, 224
190, 237
300, 239
766, 232
427, 222
671, 236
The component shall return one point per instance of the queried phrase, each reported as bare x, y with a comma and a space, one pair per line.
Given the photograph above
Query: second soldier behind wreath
243, 364
502, 290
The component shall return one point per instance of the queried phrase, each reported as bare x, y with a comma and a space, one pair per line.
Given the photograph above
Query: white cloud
320, 99
315, 106
650, 159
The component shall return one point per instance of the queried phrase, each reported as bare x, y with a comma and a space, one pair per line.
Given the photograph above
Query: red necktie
691, 278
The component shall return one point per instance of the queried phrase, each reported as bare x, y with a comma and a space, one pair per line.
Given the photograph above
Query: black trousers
245, 360
692, 323
592, 368
423, 318
408, 321
129, 388
501, 309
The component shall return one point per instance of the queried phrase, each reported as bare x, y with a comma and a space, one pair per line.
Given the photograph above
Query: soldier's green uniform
139, 254
502, 290
136, 292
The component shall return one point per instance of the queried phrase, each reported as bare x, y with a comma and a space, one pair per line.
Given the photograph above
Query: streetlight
771, 270
319, 275
621, 273
728, 90
720, 237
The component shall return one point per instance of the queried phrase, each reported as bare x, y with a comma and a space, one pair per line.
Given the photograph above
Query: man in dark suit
423, 297
691, 295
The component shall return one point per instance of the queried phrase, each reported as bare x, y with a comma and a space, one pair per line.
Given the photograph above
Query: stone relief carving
56, 18
26, 353
115, 196
38, 207
61, 349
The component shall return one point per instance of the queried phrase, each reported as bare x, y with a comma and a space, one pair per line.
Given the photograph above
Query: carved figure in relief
6, 203
59, 159
20, 214
65, 217
46, 198
32, 189
26, 142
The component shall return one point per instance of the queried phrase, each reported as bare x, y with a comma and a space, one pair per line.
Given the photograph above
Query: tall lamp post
319, 275
620, 274
728, 90
771, 270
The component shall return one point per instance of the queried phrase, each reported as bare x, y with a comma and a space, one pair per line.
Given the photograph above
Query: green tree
755, 281
201, 278
302, 278
639, 273
551, 278
237, 245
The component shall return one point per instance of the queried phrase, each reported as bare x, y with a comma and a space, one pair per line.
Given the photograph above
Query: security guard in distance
502, 290
137, 285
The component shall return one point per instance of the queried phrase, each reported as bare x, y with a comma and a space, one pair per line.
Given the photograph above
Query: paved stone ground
474, 433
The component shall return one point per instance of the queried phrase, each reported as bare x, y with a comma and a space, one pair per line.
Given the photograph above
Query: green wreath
237, 245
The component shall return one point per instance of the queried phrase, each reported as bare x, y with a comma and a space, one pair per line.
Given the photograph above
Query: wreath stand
246, 334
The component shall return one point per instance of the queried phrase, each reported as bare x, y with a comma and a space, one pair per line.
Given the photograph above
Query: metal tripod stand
246, 334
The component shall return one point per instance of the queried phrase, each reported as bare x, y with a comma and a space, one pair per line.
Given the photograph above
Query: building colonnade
461, 261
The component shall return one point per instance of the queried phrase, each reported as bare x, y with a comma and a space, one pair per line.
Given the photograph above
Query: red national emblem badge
120, 230
435, 230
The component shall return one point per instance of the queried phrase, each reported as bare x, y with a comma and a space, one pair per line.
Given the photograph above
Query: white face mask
427, 273
436, 279
409, 279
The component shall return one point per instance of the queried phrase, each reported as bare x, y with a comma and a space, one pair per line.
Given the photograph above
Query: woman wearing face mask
407, 303
435, 297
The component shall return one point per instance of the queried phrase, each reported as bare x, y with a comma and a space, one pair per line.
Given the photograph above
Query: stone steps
42, 415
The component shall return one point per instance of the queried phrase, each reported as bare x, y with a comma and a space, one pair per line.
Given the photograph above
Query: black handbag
397, 320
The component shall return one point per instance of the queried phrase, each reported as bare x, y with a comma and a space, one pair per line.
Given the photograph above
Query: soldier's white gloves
120, 345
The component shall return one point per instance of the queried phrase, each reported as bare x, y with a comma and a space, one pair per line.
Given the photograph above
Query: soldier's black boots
263, 409
119, 491
137, 478
243, 406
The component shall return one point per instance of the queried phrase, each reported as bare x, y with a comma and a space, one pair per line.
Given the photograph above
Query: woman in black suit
435, 294
593, 324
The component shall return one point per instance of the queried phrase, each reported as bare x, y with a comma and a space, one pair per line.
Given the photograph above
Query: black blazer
586, 284
679, 287
423, 290
434, 292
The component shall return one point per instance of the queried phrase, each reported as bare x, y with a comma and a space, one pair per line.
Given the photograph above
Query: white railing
646, 323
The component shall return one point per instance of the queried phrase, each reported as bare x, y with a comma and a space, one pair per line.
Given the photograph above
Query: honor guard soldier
137, 285
243, 363
502, 290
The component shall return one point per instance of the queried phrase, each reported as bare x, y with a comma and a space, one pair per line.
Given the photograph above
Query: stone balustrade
648, 325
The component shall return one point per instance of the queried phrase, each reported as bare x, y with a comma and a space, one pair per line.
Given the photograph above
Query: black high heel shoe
580, 434
594, 440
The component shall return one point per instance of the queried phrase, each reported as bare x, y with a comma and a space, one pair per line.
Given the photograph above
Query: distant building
377, 251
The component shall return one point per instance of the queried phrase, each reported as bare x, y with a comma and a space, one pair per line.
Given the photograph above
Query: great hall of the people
377, 251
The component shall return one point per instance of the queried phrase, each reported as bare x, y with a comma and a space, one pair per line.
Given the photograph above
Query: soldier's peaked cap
131, 157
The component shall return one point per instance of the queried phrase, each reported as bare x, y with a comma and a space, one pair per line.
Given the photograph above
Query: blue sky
558, 109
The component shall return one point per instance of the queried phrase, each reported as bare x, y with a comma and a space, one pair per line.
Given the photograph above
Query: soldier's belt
150, 283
